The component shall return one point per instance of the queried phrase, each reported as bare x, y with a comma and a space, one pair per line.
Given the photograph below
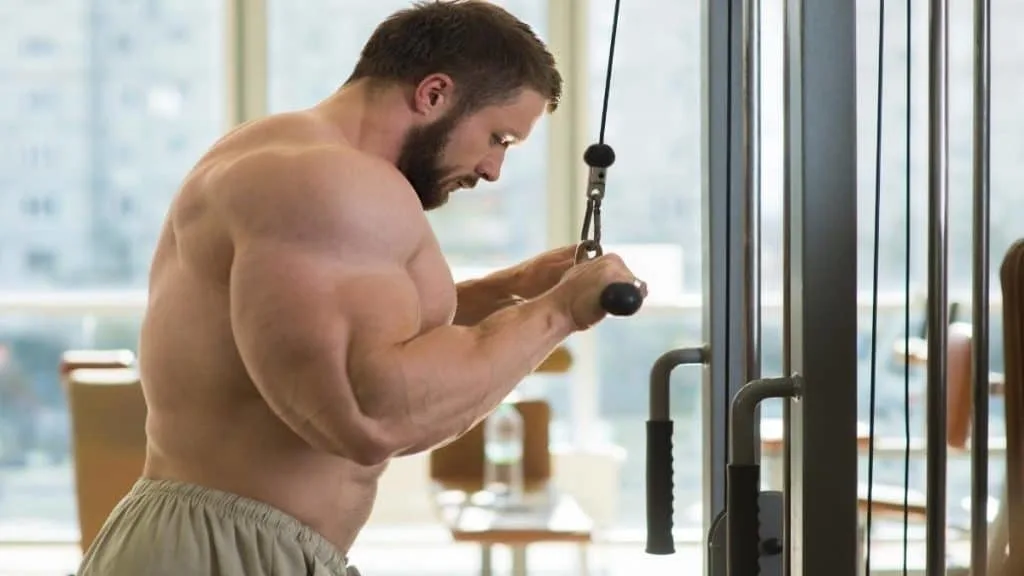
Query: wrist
559, 313
505, 284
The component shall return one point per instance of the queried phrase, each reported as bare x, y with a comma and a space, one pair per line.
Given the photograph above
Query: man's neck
374, 123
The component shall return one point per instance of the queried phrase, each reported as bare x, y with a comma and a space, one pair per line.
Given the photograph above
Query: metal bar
938, 198
660, 396
821, 185
980, 307
751, 158
722, 261
787, 301
742, 447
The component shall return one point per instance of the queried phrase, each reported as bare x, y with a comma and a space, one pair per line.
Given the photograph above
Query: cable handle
618, 298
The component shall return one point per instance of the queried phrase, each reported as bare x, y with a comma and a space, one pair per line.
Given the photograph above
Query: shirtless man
303, 327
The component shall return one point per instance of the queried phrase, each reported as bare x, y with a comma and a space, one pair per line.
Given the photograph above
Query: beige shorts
164, 528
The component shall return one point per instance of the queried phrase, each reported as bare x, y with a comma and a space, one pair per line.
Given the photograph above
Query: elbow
371, 450
353, 437
370, 443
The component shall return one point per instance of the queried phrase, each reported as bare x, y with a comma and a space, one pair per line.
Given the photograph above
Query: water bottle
503, 456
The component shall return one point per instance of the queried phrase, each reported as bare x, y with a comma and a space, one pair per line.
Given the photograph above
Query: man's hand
540, 273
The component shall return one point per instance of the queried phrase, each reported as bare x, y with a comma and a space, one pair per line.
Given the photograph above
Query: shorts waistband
235, 507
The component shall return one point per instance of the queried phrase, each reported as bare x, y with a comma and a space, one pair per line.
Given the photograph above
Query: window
889, 372
38, 156
70, 161
179, 34
496, 224
42, 100
889, 376
40, 260
126, 205
123, 43
652, 216
37, 46
49, 206
176, 143
131, 97
30, 206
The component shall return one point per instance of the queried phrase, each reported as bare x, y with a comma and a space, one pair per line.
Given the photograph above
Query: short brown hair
489, 53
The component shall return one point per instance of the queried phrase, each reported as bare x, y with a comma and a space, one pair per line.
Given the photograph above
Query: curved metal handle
743, 546
659, 449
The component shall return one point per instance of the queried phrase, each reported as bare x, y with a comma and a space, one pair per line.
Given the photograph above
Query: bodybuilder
303, 327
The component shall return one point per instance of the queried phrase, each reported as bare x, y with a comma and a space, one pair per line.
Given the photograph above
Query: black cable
874, 287
906, 311
608, 73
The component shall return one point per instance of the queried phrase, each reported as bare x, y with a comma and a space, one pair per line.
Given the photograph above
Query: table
545, 516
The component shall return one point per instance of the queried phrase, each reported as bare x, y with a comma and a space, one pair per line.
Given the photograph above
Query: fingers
641, 285
615, 270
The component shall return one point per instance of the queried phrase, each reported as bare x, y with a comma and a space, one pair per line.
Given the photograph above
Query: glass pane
313, 46
889, 375
104, 108
652, 216
37, 501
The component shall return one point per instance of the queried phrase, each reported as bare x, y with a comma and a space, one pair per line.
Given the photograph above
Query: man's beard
420, 160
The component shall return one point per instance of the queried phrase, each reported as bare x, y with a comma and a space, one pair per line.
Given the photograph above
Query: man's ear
434, 95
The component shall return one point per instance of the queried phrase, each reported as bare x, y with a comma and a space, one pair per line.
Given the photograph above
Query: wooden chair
82, 359
460, 464
108, 430
958, 385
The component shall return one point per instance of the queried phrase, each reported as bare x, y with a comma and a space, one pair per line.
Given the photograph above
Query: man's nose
490, 168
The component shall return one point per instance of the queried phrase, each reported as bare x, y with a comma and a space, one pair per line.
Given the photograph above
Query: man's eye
499, 140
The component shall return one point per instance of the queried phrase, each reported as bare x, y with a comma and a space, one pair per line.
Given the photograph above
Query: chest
436, 287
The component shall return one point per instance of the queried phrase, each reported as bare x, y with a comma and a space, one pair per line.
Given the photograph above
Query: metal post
980, 322
938, 57
821, 188
723, 205
751, 158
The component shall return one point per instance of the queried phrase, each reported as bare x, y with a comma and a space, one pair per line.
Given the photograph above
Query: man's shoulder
329, 192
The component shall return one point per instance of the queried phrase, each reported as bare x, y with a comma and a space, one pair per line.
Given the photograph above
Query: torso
207, 424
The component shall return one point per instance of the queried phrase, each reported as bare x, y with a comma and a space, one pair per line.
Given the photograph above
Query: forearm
479, 298
440, 384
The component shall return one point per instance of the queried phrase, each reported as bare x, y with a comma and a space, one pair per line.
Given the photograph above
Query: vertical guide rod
980, 308
938, 218
751, 118
787, 286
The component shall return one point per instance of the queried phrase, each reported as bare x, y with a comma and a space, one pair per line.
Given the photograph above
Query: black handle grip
659, 487
743, 542
621, 299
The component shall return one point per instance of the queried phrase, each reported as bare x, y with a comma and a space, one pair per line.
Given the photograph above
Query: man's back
208, 424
